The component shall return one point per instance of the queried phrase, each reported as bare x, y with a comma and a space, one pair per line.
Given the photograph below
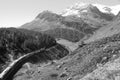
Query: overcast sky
17, 12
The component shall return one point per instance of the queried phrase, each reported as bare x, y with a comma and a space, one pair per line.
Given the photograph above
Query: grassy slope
109, 71
15, 43
109, 30
79, 63
50, 22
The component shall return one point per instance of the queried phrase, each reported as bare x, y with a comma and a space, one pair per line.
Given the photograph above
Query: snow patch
114, 9
77, 8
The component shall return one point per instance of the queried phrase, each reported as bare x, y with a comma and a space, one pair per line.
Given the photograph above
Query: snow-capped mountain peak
75, 9
80, 5
115, 9
105, 8
84, 7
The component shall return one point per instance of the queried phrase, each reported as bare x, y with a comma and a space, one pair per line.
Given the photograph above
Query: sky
14, 13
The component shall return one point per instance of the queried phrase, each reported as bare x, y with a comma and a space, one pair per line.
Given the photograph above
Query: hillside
49, 23
84, 60
90, 13
15, 43
83, 24
81, 43
109, 30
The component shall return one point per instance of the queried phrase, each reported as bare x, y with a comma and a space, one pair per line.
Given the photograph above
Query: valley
81, 43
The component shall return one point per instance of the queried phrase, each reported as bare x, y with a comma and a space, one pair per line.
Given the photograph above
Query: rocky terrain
82, 43
69, 26
87, 60
109, 30
15, 43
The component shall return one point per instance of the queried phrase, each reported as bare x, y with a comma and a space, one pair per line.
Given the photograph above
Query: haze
14, 13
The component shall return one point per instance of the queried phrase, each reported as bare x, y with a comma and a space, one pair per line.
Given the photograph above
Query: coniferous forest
17, 42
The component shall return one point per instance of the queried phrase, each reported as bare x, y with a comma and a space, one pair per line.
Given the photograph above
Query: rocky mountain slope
15, 43
90, 62
109, 71
90, 33
109, 30
60, 27
90, 13
74, 9
69, 26
90, 10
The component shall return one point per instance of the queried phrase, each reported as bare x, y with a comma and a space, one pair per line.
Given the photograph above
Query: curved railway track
16, 65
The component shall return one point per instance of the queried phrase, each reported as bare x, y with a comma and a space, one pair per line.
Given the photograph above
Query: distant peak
78, 5
106, 8
49, 16
79, 8
81, 5
46, 12
74, 9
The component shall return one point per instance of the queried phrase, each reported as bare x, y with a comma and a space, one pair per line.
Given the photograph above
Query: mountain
106, 12
117, 16
45, 20
49, 16
108, 30
92, 10
86, 45
83, 7
98, 60
91, 14
76, 22
70, 28
108, 9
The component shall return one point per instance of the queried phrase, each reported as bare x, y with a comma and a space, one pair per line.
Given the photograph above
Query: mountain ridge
84, 42
103, 8
52, 23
